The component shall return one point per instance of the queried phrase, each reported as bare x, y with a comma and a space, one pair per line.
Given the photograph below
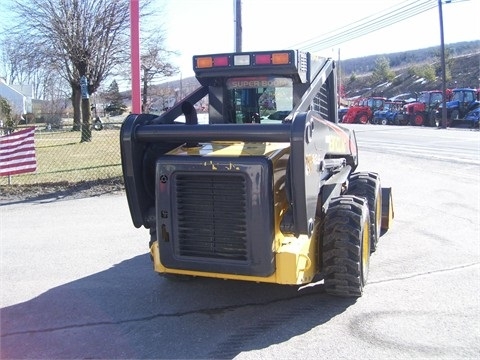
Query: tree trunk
76, 99
145, 84
86, 125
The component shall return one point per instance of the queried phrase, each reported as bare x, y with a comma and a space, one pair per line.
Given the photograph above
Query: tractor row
462, 106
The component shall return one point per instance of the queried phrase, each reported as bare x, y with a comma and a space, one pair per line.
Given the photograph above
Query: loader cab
261, 87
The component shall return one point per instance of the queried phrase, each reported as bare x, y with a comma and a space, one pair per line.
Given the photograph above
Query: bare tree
81, 39
22, 64
155, 65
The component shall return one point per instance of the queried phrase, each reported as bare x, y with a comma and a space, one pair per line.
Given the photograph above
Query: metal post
238, 25
444, 77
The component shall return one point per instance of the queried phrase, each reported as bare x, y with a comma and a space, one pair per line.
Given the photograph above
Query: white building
19, 97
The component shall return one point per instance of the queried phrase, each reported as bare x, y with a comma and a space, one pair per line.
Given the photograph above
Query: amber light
280, 58
204, 62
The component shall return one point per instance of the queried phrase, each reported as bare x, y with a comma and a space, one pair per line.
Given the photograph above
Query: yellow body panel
296, 259
296, 263
218, 148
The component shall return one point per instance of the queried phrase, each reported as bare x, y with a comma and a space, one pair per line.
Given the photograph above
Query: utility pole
444, 76
238, 24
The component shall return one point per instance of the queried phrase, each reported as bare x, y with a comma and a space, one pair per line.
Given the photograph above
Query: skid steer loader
266, 191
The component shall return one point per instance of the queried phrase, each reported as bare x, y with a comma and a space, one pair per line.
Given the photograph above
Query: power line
367, 25
351, 26
364, 27
368, 28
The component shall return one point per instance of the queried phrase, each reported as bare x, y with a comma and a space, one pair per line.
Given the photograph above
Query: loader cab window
261, 100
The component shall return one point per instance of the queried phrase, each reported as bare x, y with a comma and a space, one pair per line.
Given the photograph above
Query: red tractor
362, 110
423, 111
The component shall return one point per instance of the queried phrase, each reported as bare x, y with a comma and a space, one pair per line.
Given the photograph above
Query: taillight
205, 62
263, 59
280, 58
272, 59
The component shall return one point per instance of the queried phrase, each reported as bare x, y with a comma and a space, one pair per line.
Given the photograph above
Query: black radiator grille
211, 216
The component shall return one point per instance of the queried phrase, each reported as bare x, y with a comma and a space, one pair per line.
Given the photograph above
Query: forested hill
366, 64
393, 74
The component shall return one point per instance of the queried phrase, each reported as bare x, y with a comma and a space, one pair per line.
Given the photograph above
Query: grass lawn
62, 158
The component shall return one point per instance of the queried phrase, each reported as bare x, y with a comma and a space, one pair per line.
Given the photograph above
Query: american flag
17, 152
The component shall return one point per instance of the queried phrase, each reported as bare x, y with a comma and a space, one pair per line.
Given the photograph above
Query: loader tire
346, 246
367, 185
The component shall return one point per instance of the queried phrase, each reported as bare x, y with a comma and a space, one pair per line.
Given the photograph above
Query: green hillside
412, 71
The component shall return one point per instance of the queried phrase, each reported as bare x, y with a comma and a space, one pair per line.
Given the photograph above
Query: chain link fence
61, 157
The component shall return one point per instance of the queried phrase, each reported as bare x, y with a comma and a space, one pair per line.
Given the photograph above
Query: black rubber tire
367, 185
346, 246
455, 115
98, 125
431, 119
418, 119
404, 121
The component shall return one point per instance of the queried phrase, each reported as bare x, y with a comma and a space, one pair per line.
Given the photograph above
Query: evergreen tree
114, 99
112, 95
382, 71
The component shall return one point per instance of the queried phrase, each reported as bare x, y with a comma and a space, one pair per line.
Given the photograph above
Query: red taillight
263, 59
220, 61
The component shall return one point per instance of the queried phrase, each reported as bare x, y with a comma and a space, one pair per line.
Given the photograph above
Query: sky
195, 27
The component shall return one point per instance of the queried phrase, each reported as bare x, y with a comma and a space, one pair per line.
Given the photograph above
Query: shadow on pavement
128, 311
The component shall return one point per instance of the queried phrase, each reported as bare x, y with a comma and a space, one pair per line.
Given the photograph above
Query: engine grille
211, 215
215, 214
